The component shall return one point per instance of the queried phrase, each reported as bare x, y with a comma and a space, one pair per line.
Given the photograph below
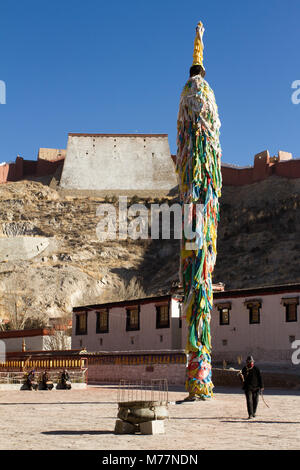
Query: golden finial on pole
198, 45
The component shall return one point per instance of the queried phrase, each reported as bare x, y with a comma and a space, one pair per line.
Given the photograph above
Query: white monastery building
262, 321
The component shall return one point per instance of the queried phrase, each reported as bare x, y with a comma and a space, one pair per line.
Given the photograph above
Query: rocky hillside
75, 268
259, 234
258, 244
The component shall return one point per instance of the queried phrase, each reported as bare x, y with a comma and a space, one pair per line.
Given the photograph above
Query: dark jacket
252, 378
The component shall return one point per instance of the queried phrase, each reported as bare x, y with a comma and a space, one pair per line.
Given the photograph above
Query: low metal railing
154, 390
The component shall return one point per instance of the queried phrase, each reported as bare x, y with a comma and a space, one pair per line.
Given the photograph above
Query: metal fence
155, 390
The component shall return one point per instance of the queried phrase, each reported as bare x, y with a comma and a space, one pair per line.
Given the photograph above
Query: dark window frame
287, 313
221, 321
100, 330
250, 305
78, 331
159, 323
251, 320
129, 327
221, 307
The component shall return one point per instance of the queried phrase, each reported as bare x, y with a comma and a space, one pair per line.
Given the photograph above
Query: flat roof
26, 333
116, 135
123, 303
264, 290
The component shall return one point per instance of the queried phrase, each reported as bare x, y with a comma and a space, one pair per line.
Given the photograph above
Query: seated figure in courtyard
46, 383
65, 381
30, 381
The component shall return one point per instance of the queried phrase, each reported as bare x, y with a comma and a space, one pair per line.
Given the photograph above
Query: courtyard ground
85, 420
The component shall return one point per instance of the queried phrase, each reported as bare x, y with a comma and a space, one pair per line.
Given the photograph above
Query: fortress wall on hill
118, 162
132, 164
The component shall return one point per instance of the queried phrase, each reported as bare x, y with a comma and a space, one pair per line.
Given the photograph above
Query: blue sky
119, 67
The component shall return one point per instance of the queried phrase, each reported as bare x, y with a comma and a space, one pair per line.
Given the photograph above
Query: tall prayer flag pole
198, 166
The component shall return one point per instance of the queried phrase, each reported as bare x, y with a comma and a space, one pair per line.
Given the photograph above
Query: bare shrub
130, 289
19, 312
59, 340
61, 334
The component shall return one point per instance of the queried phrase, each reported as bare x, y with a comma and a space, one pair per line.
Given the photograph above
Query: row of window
254, 309
132, 319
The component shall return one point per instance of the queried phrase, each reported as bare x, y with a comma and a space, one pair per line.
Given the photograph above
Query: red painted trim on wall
26, 333
124, 303
116, 135
268, 290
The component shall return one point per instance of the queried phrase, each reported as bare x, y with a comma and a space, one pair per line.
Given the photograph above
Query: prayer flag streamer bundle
198, 166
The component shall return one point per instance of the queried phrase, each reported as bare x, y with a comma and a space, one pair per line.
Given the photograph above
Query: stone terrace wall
111, 368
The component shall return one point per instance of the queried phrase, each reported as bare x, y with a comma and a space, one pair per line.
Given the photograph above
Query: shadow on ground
63, 403
76, 433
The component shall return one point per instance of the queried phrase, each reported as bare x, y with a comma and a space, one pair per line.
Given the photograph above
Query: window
162, 316
224, 316
290, 308
102, 322
224, 313
81, 323
254, 307
132, 318
254, 314
291, 312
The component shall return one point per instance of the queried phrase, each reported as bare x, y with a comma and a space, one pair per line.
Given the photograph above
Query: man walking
252, 385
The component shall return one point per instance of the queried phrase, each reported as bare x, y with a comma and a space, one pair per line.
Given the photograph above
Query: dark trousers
252, 397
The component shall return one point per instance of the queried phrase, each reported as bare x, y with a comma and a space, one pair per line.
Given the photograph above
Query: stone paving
85, 419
